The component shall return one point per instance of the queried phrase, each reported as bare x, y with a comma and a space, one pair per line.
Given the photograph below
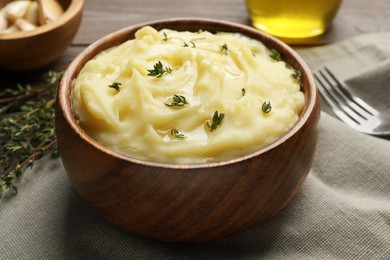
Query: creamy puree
224, 72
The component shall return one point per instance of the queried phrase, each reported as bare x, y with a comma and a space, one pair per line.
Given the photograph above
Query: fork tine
335, 89
333, 102
359, 113
348, 107
343, 90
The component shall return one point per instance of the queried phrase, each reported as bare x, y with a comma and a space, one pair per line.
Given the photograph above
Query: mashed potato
187, 97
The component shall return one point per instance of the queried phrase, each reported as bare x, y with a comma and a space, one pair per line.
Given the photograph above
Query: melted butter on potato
224, 72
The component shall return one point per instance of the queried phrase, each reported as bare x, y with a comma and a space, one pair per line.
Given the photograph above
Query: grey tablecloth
341, 212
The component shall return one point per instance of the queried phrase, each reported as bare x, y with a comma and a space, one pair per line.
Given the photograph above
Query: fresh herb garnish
187, 45
175, 133
224, 49
115, 85
159, 70
266, 107
177, 100
26, 128
275, 55
165, 36
216, 121
296, 75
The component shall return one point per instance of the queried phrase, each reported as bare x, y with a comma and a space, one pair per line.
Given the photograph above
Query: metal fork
350, 108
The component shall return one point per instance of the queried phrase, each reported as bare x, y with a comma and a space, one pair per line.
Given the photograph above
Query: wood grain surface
101, 17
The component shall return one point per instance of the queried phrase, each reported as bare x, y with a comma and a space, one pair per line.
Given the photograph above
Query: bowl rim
73, 9
66, 86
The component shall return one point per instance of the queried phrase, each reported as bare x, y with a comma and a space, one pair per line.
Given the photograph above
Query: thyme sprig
159, 70
177, 100
26, 128
216, 121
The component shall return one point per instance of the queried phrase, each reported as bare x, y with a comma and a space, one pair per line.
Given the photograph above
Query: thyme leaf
187, 45
275, 55
224, 49
165, 36
159, 70
296, 75
52, 77
266, 107
216, 121
175, 133
115, 85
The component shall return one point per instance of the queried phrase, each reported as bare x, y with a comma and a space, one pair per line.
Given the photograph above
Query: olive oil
293, 19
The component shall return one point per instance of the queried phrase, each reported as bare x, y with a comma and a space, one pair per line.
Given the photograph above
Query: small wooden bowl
35, 49
187, 203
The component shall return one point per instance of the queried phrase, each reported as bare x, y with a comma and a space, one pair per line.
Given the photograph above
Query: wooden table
102, 17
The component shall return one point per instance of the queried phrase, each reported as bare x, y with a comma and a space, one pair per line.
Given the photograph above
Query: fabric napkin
363, 63
341, 212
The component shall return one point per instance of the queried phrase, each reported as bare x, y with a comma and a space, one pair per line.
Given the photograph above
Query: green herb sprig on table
26, 128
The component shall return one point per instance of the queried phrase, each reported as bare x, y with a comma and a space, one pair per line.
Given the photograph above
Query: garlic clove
3, 22
16, 9
49, 11
10, 29
32, 13
24, 25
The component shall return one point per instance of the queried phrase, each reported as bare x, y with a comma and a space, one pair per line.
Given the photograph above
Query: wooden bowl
35, 49
187, 203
